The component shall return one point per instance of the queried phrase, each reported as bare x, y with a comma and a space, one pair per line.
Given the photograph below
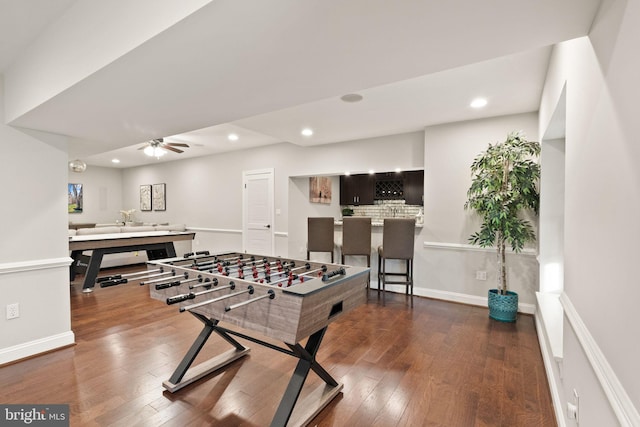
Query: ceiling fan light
154, 151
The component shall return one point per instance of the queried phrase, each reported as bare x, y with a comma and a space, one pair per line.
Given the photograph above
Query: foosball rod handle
190, 254
161, 286
340, 271
108, 278
180, 298
115, 282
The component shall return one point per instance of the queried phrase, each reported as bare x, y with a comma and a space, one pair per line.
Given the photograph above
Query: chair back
356, 236
398, 235
320, 234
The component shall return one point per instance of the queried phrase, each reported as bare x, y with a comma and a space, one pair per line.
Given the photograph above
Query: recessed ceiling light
351, 97
233, 137
347, 173
398, 170
115, 160
307, 132
371, 171
478, 103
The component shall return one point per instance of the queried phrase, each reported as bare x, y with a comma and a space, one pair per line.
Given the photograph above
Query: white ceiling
21, 22
265, 70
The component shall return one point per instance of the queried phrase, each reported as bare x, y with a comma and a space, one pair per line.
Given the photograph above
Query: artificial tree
504, 186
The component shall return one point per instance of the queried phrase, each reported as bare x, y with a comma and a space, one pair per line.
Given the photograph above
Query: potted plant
504, 185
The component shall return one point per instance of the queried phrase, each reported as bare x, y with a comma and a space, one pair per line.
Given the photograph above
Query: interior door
258, 233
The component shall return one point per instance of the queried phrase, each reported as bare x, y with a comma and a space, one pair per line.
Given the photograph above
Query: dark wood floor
433, 364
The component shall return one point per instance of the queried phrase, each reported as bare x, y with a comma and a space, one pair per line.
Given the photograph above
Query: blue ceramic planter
503, 308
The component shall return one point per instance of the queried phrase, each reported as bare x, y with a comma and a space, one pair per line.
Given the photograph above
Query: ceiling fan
157, 147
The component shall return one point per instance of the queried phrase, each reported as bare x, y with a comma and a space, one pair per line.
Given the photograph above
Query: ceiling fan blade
175, 150
176, 144
143, 147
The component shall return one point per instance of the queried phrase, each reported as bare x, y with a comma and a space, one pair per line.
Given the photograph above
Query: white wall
102, 194
300, 209
206, 193
551, 236
602, 201
33, 251
448, 265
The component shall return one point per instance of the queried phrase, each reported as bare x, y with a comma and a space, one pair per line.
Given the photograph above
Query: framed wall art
145, 197
320, 189
74, 196
159, 200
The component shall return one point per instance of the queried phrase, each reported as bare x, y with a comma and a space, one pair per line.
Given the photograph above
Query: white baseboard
31, 348
453, 297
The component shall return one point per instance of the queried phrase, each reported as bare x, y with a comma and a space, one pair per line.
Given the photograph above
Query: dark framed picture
159, 200
74, 193
145, 197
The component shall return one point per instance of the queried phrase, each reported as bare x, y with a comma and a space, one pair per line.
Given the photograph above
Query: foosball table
248, 296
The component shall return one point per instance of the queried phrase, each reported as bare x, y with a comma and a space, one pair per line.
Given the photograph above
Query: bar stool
398, 235
320, 235
356, 238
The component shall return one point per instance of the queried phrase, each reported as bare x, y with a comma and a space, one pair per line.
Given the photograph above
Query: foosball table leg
185, 375
316, 400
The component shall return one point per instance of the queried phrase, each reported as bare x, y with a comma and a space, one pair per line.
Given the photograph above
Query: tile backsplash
389, 209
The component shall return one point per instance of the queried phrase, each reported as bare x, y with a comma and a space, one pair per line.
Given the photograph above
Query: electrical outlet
13, 311
572, 411
481, 275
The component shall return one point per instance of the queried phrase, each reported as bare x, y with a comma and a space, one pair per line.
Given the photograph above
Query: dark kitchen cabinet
363, 189
357, 189
414, 187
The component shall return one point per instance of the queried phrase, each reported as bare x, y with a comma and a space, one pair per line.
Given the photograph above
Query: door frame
269, 172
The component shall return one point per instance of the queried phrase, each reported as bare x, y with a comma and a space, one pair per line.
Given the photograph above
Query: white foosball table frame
277, 310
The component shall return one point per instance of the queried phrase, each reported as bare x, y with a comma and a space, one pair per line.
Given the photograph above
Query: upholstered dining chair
320, 235
356, 238
398, 236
